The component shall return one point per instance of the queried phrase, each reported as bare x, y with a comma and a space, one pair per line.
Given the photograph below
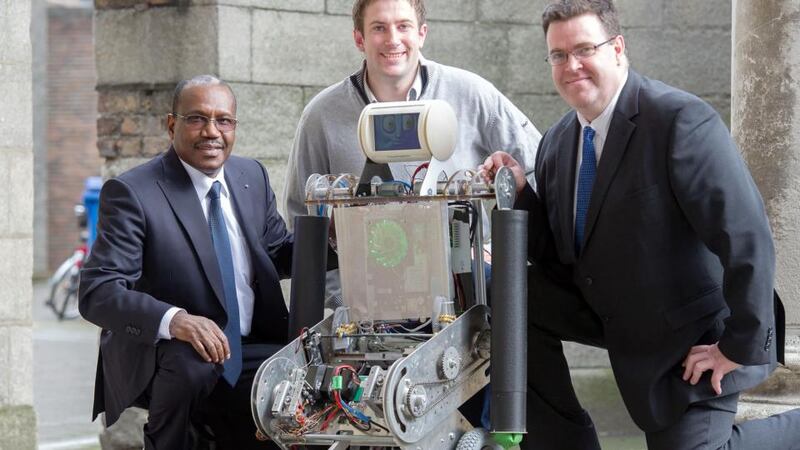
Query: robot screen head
407, 131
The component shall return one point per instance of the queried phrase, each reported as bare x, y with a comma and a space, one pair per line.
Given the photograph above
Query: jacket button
605, 318
589, 281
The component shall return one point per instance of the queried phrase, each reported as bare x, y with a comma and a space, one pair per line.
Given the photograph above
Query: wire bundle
306, 423
357, 418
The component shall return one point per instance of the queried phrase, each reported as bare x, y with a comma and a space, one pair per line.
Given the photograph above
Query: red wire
419, 167
300, 342
328, 419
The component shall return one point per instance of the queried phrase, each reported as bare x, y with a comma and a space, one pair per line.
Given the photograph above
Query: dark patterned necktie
586, 176
222, 247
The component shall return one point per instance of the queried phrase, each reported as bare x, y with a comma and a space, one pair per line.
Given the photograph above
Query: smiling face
587, 85
391, 40
206, 149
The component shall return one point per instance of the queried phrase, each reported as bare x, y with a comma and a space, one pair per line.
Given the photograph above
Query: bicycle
63, 285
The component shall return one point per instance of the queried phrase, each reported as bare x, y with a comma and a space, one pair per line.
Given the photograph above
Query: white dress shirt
600, 125
240, 254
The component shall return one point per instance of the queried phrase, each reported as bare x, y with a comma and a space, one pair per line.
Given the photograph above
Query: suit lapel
566, 159
240, 190
619, 133
246, 197
182, 197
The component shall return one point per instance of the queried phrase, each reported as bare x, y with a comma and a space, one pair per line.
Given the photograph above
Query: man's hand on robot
495, 161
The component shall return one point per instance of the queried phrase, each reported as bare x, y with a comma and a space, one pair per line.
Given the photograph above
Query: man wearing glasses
184, 279
650, 239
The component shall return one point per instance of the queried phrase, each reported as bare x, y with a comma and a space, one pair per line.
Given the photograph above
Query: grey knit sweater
326, 140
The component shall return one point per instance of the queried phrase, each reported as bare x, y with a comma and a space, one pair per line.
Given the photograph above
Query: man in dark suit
649, 238
184, 279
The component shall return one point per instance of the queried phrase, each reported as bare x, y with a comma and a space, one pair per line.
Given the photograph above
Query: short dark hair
360, 5
199, 80
561, 10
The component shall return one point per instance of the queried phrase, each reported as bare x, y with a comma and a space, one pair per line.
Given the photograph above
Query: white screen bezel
367, 132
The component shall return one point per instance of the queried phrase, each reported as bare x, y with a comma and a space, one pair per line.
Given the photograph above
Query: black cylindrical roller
509, 320
309, 262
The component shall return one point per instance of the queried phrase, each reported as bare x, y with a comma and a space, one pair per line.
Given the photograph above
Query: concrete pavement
65, 358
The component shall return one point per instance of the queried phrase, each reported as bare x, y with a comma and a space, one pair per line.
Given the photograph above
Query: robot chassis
348, 380
409, 385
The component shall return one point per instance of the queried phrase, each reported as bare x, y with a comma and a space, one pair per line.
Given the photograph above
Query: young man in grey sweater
390, 34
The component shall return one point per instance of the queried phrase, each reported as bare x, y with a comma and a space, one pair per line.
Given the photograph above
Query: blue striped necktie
222, 247
586, 176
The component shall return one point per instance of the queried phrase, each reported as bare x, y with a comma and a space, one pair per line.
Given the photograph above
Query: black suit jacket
154, 251
677, 249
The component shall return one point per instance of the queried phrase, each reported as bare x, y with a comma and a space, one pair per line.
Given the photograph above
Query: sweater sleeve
511, 131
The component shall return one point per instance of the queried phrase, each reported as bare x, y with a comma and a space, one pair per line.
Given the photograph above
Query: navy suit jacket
677, 248
154, 251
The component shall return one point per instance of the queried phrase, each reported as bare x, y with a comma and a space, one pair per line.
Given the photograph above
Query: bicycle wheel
64, 294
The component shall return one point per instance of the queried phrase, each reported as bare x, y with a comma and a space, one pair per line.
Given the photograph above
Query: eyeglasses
198, 122
559, 57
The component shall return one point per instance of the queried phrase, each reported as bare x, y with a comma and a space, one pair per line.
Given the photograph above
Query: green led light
388, 244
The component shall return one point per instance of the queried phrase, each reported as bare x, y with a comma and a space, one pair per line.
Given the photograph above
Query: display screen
396, 132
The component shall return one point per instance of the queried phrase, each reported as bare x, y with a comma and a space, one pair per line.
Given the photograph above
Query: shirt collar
603, 121
202, 182
411, 95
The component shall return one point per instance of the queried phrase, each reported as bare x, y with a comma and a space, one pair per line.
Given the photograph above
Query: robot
413, 336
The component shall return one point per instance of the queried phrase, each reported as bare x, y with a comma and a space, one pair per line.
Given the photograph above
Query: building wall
39, 69
72, 123
279, 53
17, 418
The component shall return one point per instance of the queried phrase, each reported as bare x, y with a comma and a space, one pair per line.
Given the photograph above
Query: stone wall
17, 418
279, 53
766, 106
